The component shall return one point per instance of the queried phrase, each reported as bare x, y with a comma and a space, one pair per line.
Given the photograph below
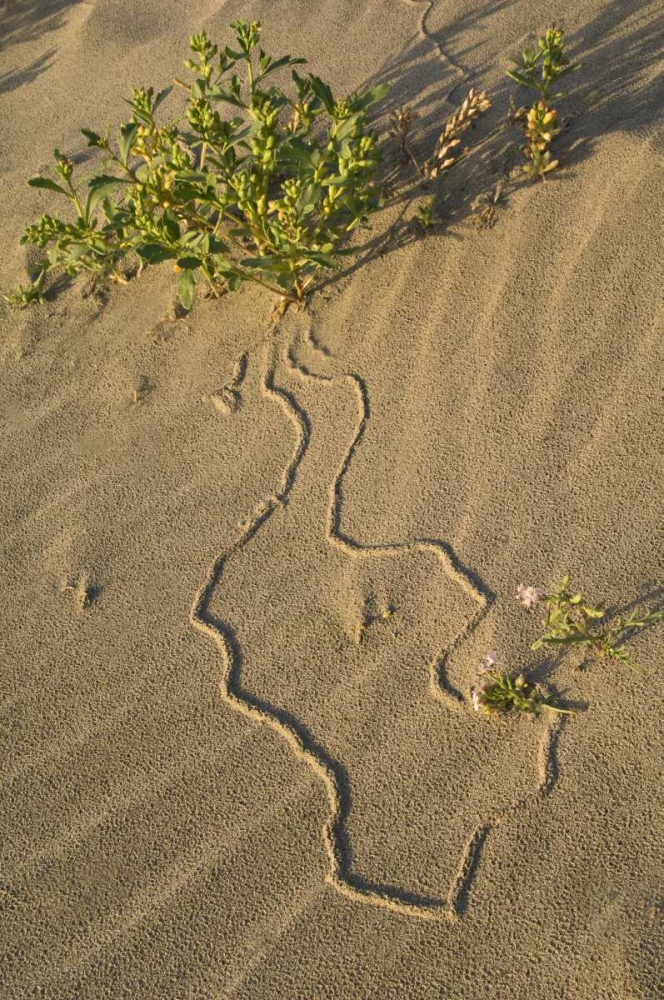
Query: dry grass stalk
401, 126
485, 206
448, 140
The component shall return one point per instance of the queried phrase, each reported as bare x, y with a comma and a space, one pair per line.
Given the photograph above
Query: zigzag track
301, 742
426, 36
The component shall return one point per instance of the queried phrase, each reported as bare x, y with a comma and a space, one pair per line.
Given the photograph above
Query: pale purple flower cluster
529, 596
487, 666
488, 663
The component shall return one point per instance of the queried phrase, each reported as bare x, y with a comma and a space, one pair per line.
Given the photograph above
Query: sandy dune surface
215, 783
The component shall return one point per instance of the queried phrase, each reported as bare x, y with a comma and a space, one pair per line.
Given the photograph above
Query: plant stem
77, 203
259, 281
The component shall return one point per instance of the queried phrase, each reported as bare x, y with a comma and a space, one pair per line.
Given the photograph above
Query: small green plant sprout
447, 152
570, 620
270, 193
498, 692
25, 295
426, 213
540, 69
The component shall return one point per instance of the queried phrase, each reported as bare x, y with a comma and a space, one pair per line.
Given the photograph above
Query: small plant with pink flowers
499, 691
570, 620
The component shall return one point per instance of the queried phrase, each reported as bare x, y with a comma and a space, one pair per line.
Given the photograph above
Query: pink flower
488, 663
529, 596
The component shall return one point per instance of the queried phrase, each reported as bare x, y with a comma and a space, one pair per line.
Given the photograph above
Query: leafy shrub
272, 192
268, 195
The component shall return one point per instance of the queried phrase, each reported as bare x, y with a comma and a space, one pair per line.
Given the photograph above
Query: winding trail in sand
340, 875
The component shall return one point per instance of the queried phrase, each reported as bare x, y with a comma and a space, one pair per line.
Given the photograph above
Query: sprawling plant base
269, 195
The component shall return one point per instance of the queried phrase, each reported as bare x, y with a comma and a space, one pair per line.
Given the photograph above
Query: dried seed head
473, 106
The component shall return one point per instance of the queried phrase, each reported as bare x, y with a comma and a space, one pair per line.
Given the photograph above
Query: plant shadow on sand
18, 78
611, 93
651, 596
23, 21
27, 20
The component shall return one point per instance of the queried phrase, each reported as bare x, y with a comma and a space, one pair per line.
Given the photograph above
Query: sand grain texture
216, 781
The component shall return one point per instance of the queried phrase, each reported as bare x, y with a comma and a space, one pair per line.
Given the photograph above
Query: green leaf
142, 172
217, 94
188, 263
47, 184
523, 80
93, 137
120, 217
346, 127
309, 198
154, 253
278, 64
566, 639
171, 225
234, 281
296, 152
371, 96
321, 258
194, 176
100, 187
260, 263
126, 140
338, 181
187, 289
142, 116
322, 92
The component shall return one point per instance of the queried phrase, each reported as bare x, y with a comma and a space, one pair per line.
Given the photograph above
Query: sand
215, 782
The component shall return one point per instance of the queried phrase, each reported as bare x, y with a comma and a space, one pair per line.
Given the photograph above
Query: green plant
268, 195
540, 69
540, 130
570, 620
499, 691
426, 213
24, 295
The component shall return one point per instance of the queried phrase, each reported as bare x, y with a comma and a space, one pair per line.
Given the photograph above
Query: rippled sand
248, 768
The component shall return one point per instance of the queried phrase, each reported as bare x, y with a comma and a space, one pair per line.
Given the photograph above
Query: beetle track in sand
301, 742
